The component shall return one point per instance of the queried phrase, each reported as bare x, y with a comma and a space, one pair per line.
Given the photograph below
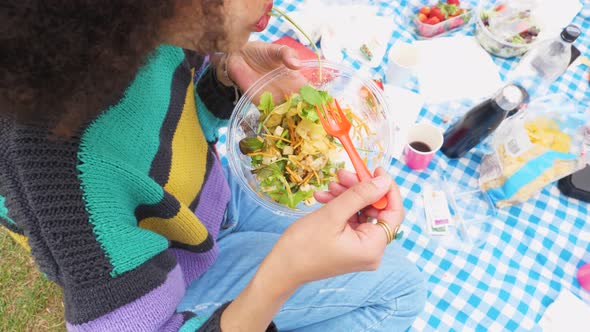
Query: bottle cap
570, 33
510, 97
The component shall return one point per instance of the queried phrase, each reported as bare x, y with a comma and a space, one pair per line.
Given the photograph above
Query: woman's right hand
331, 241
336, 239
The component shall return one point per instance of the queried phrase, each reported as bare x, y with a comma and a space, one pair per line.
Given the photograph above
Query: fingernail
381, 181
295, 62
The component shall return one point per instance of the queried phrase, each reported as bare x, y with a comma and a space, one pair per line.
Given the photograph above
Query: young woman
109, 175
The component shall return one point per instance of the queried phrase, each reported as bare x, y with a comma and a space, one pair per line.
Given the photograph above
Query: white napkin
310, 17
455, 68
354, 26
344, 28
554, 15
566, 313
405, 108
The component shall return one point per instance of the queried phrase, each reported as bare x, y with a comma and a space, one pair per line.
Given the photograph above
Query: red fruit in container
501, 7
433, 20
379, 83
422, 17
435, 12
453, 2
456, 23
426, 31
522, 27
425, 10
440, 29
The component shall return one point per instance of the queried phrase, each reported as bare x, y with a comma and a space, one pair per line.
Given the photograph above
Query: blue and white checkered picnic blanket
531, 251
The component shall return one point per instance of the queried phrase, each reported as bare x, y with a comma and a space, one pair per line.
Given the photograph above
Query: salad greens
292, 155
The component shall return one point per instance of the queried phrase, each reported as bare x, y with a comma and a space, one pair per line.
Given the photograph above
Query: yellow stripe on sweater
187, 174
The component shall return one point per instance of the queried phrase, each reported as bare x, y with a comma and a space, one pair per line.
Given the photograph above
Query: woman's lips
263, 21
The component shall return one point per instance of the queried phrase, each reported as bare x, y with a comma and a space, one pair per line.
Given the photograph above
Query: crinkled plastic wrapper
544, 142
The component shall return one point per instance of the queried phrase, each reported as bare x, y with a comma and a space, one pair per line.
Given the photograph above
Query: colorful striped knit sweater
126, 215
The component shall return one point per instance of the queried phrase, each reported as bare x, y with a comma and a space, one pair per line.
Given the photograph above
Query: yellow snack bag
537, 146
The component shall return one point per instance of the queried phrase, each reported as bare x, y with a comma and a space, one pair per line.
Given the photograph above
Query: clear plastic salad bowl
360, 94
514, 20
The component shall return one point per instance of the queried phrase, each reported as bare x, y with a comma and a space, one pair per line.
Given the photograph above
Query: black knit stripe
193, 59
210, 163
199, 248
167, 208
218, 98
47, 201
160, 168
186, 315
86, 302
11, 227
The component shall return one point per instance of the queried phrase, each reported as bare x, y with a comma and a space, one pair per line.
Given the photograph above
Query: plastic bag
539, 145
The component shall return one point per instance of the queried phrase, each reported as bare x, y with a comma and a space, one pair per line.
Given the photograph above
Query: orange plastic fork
336, 124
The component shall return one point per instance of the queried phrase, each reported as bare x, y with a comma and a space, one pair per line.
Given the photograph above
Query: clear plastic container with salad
507, 29
277, 147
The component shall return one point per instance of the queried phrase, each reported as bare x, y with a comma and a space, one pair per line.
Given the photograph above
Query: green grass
28, 301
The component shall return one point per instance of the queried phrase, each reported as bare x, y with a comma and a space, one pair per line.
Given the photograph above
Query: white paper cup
402, 62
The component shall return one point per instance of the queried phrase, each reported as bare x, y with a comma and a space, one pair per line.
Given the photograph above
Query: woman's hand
331, 241
257, 59
336, 239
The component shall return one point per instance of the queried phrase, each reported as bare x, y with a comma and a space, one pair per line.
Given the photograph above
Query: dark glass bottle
479, 122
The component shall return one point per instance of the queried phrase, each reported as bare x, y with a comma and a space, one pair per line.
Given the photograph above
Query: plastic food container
424, 30
361, 94
471, 210
514, 21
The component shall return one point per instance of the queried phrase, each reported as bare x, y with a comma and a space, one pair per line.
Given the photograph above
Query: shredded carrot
316, 176
277, 137
293, 174
307, 178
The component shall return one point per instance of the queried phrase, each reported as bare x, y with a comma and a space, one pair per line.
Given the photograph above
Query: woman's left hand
255, 60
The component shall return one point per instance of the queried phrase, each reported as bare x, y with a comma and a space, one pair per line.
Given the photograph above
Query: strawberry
436, 12
453, 2
501, 7
522, 26
425, 10
433, 20
425, 31
379, 83
422, 17
456, 23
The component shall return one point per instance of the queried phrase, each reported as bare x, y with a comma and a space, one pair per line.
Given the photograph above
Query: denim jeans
388, 299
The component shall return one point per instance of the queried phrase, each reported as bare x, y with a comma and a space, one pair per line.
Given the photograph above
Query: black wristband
213, 324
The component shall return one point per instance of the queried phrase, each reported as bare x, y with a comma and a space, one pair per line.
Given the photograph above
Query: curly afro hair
63, 61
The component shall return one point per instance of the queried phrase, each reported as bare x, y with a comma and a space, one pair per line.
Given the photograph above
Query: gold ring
388, 233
